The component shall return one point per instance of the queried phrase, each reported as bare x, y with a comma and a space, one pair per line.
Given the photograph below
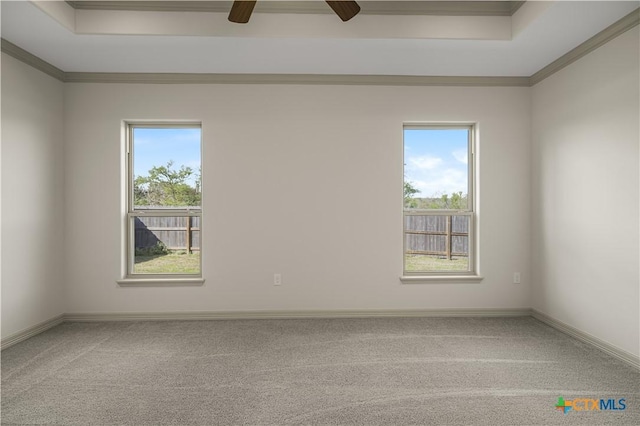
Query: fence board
423, 234
176, 232
429, 235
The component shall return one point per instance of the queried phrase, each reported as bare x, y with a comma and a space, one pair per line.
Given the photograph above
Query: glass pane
436, 243
436, 170
166, 244
166, 167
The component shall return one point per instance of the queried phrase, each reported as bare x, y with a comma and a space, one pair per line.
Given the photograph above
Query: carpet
382, 371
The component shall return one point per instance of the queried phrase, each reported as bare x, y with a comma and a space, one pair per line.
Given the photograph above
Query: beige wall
585, 194
32, 197
305, 181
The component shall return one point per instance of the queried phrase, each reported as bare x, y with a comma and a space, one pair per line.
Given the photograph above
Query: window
438, 200
164, 193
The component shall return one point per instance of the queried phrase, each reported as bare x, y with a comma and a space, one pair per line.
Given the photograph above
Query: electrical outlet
516, 277
277, 279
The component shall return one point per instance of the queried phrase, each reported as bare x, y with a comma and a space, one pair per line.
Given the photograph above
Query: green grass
418, 262
172, 263
175, 263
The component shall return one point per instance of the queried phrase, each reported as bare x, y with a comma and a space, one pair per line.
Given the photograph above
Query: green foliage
455, 201
166, 186
157, 249
409, 192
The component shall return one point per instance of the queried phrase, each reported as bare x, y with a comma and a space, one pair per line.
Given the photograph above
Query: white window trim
440, 279
162, 282
437, 277
148, 280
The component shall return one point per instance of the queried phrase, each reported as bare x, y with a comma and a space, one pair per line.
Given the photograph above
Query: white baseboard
231, 315
31, 331
286, 314
614, 351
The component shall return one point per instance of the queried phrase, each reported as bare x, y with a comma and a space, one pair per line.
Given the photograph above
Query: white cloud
425, 163
461, 156
436, 182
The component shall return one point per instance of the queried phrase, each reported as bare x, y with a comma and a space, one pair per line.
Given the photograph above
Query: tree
166, 186
409, 192
456, 201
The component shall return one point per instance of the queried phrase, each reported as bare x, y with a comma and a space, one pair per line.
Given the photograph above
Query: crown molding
604, 36
31, 59
515, 5
307, 79
626, 23
450, 8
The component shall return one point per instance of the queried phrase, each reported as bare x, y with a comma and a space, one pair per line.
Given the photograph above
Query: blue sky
155, 147
436, 160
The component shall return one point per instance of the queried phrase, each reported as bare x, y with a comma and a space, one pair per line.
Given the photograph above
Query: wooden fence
176, 232
446, 235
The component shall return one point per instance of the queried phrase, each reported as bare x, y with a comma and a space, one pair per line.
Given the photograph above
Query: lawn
172, 263
176, 263
417, 262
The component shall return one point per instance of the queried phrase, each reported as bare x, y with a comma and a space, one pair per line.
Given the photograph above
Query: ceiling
487, 8
387, 38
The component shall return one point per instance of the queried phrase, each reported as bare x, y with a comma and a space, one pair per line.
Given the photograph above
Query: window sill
440, 279
159, 282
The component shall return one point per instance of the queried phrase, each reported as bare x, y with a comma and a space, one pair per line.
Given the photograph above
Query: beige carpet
400, 371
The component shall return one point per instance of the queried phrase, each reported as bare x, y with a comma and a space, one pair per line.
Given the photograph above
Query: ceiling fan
241, 10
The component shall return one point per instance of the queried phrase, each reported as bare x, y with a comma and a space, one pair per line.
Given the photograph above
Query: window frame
131, 212
471, 274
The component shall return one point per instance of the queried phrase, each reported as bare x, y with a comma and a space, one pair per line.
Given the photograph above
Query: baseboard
618, 353
31, 331
231, 315
293, 314
608, 348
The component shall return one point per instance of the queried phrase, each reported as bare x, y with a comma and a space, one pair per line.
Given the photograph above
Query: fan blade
345, 9
241, 11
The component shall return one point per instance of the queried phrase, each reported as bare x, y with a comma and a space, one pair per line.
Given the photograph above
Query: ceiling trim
305, 79
604, 36
315, 26
515, 6
22, 55
626, 23
316, 79
311, 79
451, 8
